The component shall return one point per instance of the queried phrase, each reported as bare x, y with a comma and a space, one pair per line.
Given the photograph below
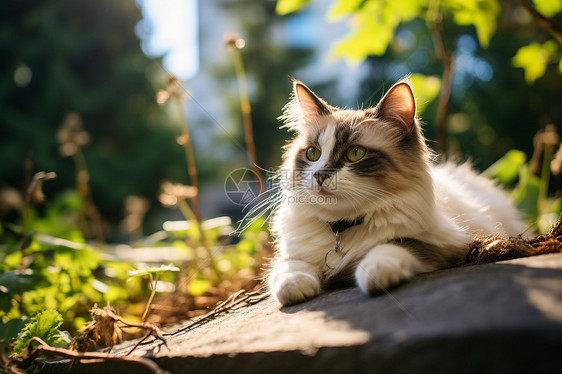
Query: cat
363, 201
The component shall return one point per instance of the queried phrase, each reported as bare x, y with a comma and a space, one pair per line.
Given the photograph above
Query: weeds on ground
529, 180
55, 267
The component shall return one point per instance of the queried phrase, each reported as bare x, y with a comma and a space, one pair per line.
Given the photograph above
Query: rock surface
502, 317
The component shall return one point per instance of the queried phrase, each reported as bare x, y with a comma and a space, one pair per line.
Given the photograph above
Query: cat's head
342, 163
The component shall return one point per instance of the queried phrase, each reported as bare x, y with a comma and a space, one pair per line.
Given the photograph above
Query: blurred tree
481, 86
61, 56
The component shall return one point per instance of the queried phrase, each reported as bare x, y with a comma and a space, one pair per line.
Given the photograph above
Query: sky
170, 29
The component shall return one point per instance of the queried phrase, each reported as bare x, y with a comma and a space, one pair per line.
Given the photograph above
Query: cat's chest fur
309, 237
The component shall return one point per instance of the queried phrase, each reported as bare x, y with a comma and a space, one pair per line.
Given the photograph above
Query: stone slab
501, 317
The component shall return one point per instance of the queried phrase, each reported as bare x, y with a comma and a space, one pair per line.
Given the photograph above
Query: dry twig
19, 363
236, 301
548, 24
495, 248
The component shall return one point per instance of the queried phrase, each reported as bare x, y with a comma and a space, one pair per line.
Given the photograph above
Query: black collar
343, 224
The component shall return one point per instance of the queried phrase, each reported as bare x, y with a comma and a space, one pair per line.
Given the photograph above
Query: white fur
385, 265
295, 281
458, 206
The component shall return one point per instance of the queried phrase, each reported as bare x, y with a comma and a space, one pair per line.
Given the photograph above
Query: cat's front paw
385, 266
294, 287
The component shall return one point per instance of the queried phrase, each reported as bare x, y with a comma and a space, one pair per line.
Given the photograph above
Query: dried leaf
102, 331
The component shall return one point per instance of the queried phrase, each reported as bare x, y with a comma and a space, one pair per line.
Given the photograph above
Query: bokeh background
100, 63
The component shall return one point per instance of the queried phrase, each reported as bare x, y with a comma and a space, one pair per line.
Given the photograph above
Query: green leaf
246, 245
371, 34
198, 287
256, 227
481, 14
13, 259
526, 193
560, 66
362, 43
188, 251
426, 89
152, 270
11, 329
284, 7
506, 169
549, 215
11, 280
374, 24
343, 8
43, 325
548, 8
406, 10
533, 58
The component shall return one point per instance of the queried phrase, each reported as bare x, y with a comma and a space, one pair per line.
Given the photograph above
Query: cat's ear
398, 106
311, 106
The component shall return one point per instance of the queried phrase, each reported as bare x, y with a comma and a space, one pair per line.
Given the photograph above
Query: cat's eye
355, 153
313, 153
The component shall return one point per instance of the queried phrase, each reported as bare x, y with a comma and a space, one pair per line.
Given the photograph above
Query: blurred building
207, 109
307, 29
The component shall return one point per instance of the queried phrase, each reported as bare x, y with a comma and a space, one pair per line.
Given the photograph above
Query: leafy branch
447, 58
374, 25
549, 24
535, 57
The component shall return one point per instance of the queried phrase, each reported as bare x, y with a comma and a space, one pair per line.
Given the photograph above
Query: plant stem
25, 224
246, 115
447, 81
189, 156
190, 216
153, 283
186, 210
548, 24
545, 176
193, 215
82, 185
28, 169
443, 106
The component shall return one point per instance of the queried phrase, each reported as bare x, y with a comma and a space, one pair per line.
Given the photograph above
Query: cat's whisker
262, 203
355, 207
267, 171
368, 190
371, 187
243, 226
268, 204
356, 200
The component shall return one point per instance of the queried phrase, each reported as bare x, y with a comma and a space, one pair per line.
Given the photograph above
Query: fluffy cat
364, 179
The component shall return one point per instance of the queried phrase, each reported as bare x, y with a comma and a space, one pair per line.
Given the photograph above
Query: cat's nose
320, 177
